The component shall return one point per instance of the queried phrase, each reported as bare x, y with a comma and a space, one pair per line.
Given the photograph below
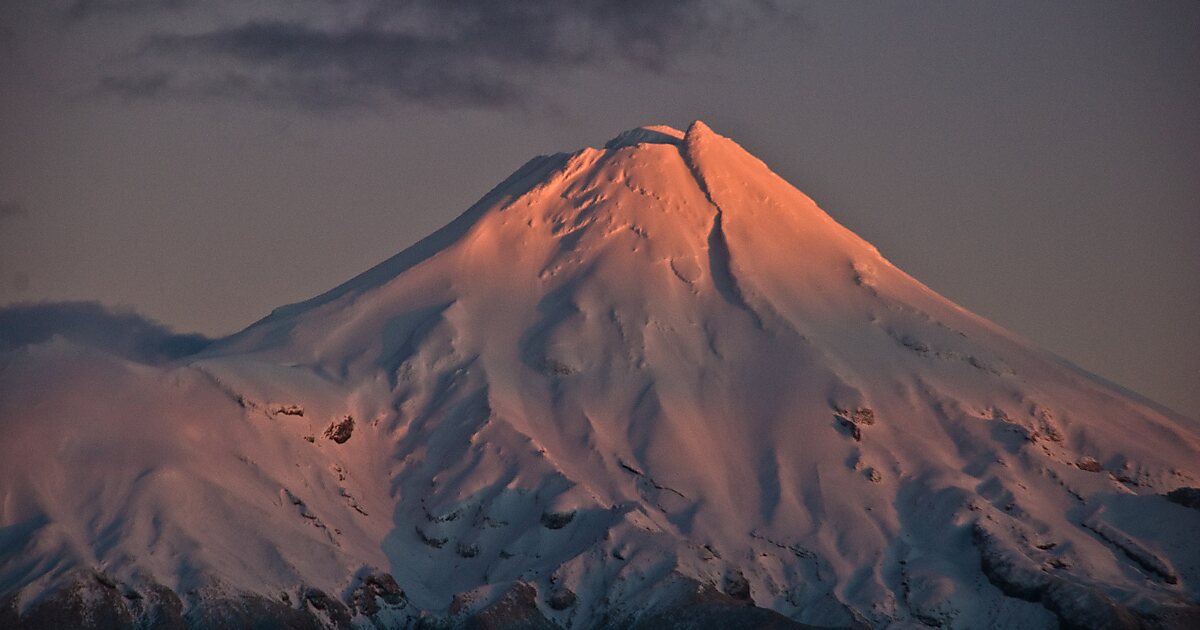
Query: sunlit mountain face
645, 385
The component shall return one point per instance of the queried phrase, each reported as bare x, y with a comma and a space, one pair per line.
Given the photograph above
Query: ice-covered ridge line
652, 134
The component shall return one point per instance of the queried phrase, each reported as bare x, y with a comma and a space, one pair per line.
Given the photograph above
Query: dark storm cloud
474, 53
125, 334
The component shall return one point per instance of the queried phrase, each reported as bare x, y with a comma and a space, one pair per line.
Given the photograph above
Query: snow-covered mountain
642, 385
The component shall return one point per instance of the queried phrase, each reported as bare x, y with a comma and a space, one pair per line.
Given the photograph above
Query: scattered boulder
288, 410
339, 430
851, 422
864, 416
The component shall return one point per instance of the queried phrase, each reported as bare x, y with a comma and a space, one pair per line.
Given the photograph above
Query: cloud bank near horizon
93, 325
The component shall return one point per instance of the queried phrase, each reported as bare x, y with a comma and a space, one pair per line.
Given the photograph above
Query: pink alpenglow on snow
645, 385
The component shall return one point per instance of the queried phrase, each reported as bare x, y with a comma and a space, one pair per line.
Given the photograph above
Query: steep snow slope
629, 383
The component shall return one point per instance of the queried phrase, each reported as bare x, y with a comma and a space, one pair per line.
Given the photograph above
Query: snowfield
648, 385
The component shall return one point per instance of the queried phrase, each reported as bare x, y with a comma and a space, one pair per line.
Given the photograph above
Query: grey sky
204, 162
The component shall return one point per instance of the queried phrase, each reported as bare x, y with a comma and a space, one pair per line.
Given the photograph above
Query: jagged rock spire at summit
639, 384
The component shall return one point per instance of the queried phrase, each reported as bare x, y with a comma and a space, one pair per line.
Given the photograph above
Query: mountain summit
645, 385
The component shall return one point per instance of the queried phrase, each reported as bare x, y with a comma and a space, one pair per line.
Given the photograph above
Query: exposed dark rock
558, 369
738, 587
863, 416
8, 612
914, 344
339, 430
374, 588
1187, 497
1144, 557
1049, 426
516, 610
706, 608
851, 422
561, 599
105, 581
849, 428
557, 520
434, 623
91, 604
467, 551
1184, 616
449, 517
432, 541
337, 612
289, 410
251, 611
1089, 464
163, 608
1081, 608
1076, 606
85, 604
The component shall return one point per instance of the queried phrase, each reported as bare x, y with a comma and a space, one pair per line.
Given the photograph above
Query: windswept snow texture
647, 384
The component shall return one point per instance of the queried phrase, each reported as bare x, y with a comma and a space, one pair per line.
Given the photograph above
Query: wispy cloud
468, 53
144, 85
82, 9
